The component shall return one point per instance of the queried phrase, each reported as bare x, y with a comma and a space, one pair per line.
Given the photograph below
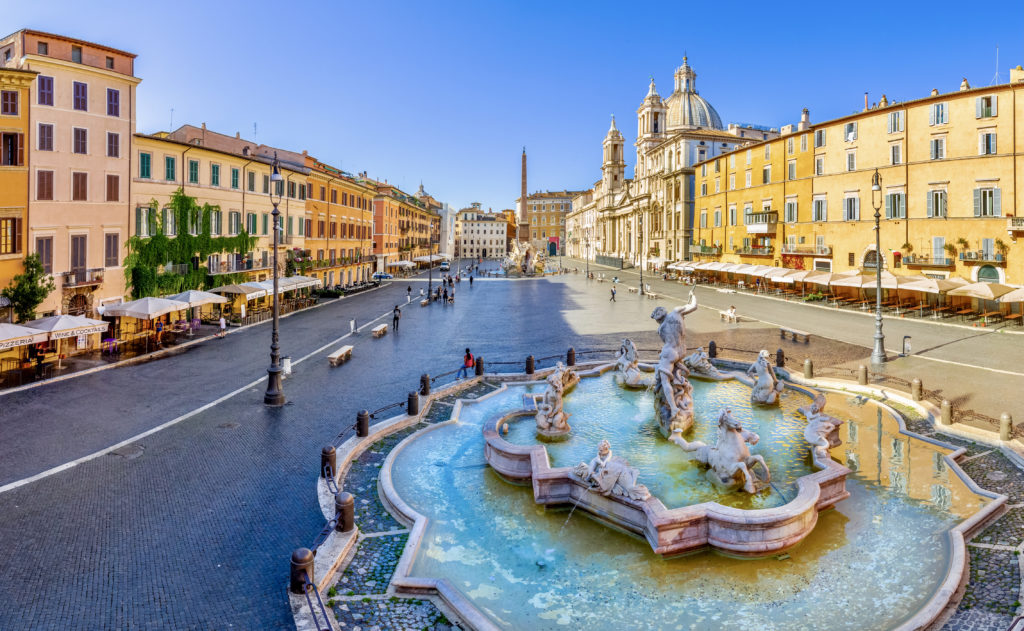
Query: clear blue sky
449, 92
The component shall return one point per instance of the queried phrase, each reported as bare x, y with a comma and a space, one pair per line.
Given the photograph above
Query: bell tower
613, 166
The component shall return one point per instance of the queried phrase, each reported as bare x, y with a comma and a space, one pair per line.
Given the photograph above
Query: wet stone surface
371, 567
994, 585
398, 614
361, 481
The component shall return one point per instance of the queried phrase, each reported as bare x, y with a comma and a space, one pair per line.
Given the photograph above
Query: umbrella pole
58, 355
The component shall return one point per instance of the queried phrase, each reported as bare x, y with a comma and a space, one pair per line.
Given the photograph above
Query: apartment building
15, 91
339, 242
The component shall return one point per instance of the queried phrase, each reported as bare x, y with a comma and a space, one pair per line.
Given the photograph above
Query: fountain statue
699, 365
611, 475
767, 385
552, 420
820, 431
628, 366
729, 462
673, 404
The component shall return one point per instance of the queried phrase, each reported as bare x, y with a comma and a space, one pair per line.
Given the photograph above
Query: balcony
234, 266
918, 261
82, 278
705, 250
752, 250
806, 250
982, 257
761, 223
1014, 225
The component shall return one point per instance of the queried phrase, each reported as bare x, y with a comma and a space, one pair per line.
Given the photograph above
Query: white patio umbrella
431, 258
14, 335
195, 298
982, 291
936, 285
250, 293
1017, 295
299, 282
60, 327
266, 285
145, 308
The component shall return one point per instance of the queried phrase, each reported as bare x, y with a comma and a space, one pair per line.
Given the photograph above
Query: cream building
648, 219
545, 213
82, 112
948, 198
481, 234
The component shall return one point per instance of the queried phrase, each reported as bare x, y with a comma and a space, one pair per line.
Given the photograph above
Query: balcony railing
82, 277
761, 223
982, 256
924, 260
755, 250
1015, 224
705, 250
233, 266
806, 250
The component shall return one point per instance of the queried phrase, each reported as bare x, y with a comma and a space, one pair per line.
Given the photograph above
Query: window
143, 217
334, 196
987, 202
938, 148
732, 161
766, 174
111, 250
193, 171
791, 169
851, 209
896, 153
235, 222
44, 185
718, 168
703, 189
936, 203
803, 142
79, 187
732, 215
732, 182
43, 48
938, 114
819, 138
216, 222
747, 179
44, 248
9, 102
266, 184
302, 191
44, 90
790, 211
850, 132
895, 122
76, 54
789, 145
820, 210
718, 218
987, 143
279, 188
703, 169
896, 206
291, 190
749, 155
819, 165
113, 145
250, 223
851, 160
985, 106
81, 96
45, 137
214, 175
110, 63
145, 166
10, 235
80, 140
170, 165
113, 102
767, 152
234, 178
704, 219
113, 188
250, 178
169, 222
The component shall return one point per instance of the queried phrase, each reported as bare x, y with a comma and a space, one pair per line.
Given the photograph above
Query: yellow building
339, 205
14, 133
948, 196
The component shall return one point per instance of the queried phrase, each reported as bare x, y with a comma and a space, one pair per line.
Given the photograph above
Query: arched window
988, 274
871, 259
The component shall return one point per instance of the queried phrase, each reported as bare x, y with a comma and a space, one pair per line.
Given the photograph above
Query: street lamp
275, 394
640, 240
878, 354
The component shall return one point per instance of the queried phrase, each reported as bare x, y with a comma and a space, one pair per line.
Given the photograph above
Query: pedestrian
446, 294
470, 280
396, 315
223, 326
467, 363
612, 299
408, 291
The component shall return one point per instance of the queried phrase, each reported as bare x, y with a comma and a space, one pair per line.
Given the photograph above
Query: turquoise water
869, 564
600, 409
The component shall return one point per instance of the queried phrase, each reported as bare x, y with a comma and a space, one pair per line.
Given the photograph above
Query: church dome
686, 108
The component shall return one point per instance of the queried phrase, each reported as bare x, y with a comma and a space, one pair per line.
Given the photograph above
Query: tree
29, 289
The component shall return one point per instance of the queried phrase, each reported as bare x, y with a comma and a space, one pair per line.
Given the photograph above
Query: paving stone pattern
995, 582
995, 472
372, 565
394, 614
361, 481
1007, 531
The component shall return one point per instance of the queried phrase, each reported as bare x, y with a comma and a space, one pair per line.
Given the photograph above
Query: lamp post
640, 251
586, 238
878, 354
275, 394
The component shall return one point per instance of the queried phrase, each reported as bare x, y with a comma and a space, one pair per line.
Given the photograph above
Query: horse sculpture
729, 462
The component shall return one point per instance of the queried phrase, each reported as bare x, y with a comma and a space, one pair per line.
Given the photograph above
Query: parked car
445, 266
382, 276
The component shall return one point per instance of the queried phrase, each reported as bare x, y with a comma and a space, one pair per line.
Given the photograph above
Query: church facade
648, 219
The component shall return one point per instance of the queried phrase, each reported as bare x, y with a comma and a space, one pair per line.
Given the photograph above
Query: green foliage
814, 296
145, 267
28, 289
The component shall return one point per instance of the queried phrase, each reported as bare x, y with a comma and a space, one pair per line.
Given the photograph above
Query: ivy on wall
163, 264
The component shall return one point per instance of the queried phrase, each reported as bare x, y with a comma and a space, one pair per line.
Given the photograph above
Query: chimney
884, 102
204, 126
865, 101
805, 120
964, 85
935, 91
1016, 74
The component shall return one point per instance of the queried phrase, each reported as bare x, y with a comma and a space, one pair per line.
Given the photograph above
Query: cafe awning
63, 326
250, 293
196, 298
145, 308
14, 335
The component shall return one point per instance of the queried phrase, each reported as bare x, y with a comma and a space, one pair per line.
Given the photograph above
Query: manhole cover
228, 425
996, 476
128, 452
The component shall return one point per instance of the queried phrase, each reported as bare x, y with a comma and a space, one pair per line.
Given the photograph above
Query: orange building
340, 235
14, 185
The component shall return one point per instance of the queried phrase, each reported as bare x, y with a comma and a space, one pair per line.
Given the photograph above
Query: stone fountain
552, 420
673, 398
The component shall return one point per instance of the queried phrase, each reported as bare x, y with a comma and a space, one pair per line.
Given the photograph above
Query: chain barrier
308, 587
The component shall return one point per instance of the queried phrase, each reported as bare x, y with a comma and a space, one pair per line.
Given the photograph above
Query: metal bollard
424, 384
808, 369
345, 510
946, 413
328, 458
916, 389
712, 349
1005, 426
478, 367
302, 566
412, 407
570, 357
780, 358
862, 375
530, 365
363, 423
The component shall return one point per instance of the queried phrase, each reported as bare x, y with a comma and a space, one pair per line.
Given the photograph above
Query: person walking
223, 326
396, 315
470, 280
446, 295
612, 299
467, 363
408, 291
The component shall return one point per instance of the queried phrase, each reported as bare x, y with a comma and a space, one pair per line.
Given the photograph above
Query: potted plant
907, 247
950, 249
962, 242
1002, 248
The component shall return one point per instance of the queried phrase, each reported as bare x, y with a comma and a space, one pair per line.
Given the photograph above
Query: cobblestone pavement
371, 567
393, 614
165, 532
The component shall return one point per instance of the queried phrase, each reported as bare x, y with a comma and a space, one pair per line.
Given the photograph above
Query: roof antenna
995, 77
254, 134
171, 128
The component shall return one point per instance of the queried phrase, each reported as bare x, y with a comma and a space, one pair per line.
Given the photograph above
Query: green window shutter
977, 202
290, 226
997, 202
931, 203
266, 221
138, 222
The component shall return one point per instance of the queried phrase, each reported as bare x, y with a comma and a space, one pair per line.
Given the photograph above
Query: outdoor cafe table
938, 310
919, 308
965, 312
990, 314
